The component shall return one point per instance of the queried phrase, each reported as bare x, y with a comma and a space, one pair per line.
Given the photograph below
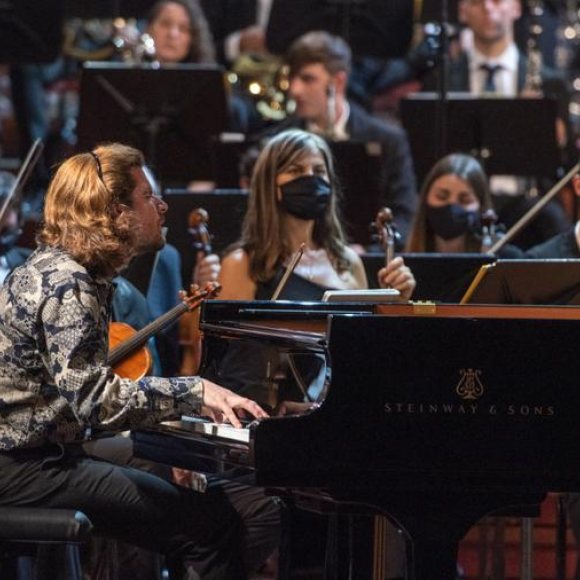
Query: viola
128, 354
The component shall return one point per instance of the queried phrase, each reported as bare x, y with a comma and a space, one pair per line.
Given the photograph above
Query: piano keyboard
204, 427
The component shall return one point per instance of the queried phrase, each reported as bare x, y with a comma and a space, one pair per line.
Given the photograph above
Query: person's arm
235, 277
72, 320
357, 268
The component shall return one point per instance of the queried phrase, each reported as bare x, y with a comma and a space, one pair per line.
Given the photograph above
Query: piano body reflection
432, 414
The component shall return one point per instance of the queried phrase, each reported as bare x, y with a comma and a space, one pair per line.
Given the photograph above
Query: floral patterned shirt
55, 385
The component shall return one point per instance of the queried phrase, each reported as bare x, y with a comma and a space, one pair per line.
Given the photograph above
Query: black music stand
226, 209
171, 113
509, 136
358, 166
440, 277
378, 28
528, 282
106, 8
30, 31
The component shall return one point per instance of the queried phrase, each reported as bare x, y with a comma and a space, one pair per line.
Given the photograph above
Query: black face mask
451, 220
306, 197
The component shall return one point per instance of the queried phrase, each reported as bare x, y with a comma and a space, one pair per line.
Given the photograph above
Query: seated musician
454, 195
57, 390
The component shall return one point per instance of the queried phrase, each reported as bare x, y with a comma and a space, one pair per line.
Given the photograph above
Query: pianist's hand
223, 404
207, 270
398, 276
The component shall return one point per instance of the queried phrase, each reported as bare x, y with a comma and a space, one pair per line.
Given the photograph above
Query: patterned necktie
490, 70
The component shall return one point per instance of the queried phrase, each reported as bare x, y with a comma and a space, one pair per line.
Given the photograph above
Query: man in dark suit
492, 64
319, 71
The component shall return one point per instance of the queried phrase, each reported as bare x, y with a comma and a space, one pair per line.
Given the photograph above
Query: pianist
57, 391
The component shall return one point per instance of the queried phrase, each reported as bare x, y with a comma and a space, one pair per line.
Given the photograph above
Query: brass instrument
533, 80
96, 39
265, 79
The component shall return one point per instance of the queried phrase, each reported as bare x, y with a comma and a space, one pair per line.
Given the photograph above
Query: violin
386, 232
189, 335
128, 354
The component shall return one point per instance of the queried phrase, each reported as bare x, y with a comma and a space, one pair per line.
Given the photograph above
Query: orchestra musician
58, 391
293, 201
320, 65
454, 195
180, 32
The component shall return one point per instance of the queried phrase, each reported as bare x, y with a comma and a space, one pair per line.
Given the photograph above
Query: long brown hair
263, 236
467, 168
202, 48
79, 212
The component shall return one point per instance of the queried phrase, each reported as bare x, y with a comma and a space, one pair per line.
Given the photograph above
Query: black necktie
490, 69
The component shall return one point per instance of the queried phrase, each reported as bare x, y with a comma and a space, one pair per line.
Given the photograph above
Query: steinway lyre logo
469, 386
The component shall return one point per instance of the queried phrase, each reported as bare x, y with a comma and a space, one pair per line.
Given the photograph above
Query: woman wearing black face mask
454, 195
293, 201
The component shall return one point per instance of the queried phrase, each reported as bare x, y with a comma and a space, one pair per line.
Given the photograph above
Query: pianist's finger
221, 400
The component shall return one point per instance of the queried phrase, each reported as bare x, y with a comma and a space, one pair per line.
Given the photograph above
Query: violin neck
143, 335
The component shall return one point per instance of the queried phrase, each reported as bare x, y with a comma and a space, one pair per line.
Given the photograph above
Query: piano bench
33, 540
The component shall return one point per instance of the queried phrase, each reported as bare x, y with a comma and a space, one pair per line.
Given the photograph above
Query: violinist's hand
207, 270
398, 276
222, 404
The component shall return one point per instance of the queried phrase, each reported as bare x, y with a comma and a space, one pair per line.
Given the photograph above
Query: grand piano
433, 415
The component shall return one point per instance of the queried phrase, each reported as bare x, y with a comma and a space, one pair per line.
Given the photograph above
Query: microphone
331, 111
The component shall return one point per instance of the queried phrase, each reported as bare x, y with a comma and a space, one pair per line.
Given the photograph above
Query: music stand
226, 209
358, 166
547, 282
30, 31
106, 8
510, 136
439, 277
431, 11
171, 113
378, 28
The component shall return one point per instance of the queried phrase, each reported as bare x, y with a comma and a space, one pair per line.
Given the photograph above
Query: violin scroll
386, 232
489, 231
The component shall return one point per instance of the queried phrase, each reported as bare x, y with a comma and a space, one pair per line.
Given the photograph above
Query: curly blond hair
79, 210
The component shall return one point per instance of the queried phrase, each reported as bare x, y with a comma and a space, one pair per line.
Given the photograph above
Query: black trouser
222, 533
